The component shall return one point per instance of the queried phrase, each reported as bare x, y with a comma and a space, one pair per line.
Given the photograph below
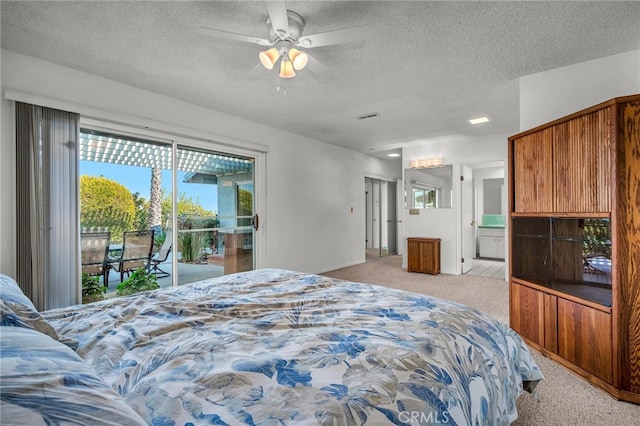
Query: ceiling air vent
369, 115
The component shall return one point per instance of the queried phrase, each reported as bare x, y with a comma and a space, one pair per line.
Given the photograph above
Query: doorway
380, 218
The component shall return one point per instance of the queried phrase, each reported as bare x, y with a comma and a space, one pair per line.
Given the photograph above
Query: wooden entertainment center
574, 258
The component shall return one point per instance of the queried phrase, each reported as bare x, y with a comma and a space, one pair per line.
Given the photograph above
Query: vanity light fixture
426, 163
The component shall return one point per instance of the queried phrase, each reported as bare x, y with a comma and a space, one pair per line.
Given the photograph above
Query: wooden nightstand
423, 255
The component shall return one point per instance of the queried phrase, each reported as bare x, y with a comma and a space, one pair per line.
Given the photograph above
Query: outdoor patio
187, 273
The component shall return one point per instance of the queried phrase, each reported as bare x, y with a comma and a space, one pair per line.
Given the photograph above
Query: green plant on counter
92, 291
140, 280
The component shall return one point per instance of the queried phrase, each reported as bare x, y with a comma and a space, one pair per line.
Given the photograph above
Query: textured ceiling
425, 67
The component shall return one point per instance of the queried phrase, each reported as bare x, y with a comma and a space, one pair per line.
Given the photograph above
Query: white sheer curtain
46, 201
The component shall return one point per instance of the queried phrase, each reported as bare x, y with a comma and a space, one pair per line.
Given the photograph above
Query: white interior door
368, 193
468, 225
391, 224
399, 216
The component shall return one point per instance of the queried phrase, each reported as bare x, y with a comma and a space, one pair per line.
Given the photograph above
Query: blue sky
138, 179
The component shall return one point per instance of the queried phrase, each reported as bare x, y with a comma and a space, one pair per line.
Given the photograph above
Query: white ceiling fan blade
317, 67
278, 17
233, 36
346, 35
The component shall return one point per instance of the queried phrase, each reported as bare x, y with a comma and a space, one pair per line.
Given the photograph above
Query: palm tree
155, 203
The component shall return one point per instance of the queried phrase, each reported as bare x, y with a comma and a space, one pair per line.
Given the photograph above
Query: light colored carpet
564, 398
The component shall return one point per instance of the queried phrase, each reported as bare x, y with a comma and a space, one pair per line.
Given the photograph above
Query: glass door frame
178, 139
232, 233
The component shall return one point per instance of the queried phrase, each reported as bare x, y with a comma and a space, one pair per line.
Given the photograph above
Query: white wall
446, 223
550, 95
7, 189
312, 200
311, 189
388, 170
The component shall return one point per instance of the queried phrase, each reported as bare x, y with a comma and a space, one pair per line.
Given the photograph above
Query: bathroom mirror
429, 188
492, 189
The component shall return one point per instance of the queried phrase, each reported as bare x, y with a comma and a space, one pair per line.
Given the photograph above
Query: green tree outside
106, 203
141, 221
187, 206
245, 206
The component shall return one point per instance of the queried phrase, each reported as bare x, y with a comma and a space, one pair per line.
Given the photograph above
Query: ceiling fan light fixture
286, 69
268, 58
298, 59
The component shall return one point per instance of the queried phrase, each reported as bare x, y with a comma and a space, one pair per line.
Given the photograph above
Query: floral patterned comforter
271, 347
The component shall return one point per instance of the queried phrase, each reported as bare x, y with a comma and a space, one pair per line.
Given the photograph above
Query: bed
263, 347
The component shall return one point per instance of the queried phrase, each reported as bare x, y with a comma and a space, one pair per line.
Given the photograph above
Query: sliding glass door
124, 185
198, 202
215, 214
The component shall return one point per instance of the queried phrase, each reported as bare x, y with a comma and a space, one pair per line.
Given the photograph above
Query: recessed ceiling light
393, 154
478, 120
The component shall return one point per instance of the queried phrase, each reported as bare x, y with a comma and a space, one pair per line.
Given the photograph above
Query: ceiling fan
286, 41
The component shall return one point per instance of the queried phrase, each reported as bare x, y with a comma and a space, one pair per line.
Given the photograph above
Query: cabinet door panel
527, 313
584, 338
533, 173
500, 247
551, 322
425, 260
413, 256
582, 154
487, 246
